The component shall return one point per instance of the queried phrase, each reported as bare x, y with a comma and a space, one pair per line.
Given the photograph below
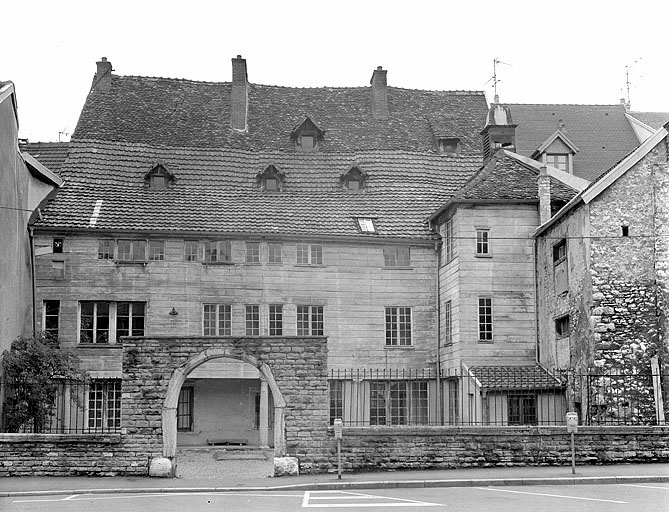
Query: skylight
366, 225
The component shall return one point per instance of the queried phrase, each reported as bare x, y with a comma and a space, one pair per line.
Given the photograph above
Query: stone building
602, 278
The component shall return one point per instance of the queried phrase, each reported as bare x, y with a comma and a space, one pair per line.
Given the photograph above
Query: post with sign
338, 432
572, 428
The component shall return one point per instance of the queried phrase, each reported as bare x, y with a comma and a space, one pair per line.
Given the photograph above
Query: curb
333, 486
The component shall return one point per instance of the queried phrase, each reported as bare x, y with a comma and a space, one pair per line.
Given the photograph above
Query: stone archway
169, 411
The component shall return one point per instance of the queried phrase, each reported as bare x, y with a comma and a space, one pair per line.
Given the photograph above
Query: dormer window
307, 135
354, 180
557, 151
558, 161
159, 178
271, 179
448, 145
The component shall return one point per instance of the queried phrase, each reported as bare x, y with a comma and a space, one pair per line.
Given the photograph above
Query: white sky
559, 52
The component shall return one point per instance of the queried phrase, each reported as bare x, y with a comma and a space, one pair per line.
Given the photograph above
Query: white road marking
550, 495
646, 486
337, 496
91, 497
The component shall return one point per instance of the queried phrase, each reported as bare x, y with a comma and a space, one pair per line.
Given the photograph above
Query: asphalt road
563, 498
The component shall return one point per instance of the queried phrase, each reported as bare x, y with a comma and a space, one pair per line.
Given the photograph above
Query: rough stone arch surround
178, 378
295, 368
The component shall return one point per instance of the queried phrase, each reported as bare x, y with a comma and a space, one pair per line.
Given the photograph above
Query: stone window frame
216, 319
113, 320
309, 254
310, 320
399, 326
51, 319
483, 248
485, 319
397, 256
275, 319
103, 405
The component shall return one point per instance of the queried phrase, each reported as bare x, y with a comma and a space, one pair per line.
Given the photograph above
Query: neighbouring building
602, 279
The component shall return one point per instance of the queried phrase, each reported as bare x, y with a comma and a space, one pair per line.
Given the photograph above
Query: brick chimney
544, 190
379, 83
239, 99
102, 79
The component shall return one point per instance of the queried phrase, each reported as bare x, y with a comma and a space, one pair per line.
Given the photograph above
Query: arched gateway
169, 413
292, 368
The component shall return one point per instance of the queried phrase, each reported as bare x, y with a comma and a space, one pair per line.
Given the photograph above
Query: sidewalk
469, 477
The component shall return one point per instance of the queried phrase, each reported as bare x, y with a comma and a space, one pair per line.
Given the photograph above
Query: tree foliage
33, 367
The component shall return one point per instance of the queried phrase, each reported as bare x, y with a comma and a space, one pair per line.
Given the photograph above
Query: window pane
482, 244
275, 320
302, 320
139, 250
274, 253
51, 317
225, 251
209, 320
398, 403
404, 326
485, 319
102, 322
302, 254
391, 326
210, 251
185, 410
336, 400
252, 320
224, 320
317, 320
419, 401
389, 256
156, 250
252, 252
377, 403
122, 319
316, 254
124, 252
105, 249
191, 250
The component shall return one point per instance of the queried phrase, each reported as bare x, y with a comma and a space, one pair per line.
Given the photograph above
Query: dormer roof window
354, 180
448, 146
159, 178
271, 179
307, 135
366, 225
557, 151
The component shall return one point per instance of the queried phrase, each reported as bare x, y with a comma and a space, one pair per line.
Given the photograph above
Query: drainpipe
31, 237
440, 410
536, 303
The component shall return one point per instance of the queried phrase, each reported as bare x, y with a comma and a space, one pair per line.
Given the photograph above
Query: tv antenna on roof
63, 133
628, 82
494, 78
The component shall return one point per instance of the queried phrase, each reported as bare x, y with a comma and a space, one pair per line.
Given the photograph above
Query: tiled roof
50, 154
602, 133
653, 119
506, 179
183, 113
216, 191
514, 377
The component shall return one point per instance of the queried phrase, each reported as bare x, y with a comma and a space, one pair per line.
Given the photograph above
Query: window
252, 320
366, 225
271, 184
105, 322
522, 409
485, 319
216, 320
58, 269
191, 249
217, 252
558, 161
448, 145
159, 177
396, 256
625, 230
482, 242
398, 326
94, 322
156, 250
51, 318
448, 324
130, 318
307, 142
274, 253
336, 400
104, 405
310, 320
562, 326
453, 403
185, 409
354, 180
252, 252
271, 179
309, 254
275, 320
560, 268
131, 250
398, 403
105, 249
449, 240
57, 245
158, 182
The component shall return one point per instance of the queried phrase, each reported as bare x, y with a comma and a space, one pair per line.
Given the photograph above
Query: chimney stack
102, 80
544, 190
239, 99
499, 131
379, 83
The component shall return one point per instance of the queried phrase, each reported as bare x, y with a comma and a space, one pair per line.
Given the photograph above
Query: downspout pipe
31, 237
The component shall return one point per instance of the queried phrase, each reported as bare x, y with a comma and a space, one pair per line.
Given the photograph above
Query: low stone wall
71, 454
383, 448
